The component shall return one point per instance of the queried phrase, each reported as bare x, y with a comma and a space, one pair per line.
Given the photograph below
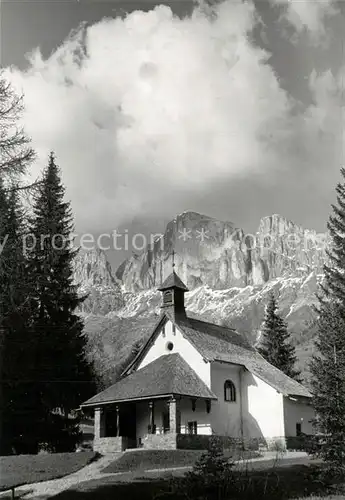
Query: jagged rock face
283, 248
93, 274
219, 255
199, 242
91, 267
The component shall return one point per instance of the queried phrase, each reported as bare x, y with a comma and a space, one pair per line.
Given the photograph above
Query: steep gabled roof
173, 281
161, 321
169, 375
257, 365
219, 343
211, 337
223, 344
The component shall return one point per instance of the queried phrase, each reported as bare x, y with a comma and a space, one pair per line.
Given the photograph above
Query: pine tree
328, 363
276, 345
64, 377
3, 337
19, 410
328, 386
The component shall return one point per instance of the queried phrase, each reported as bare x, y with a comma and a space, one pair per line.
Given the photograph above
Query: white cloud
159, 107
308, 15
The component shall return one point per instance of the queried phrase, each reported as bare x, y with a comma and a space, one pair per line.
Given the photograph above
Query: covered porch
164, 400
154, 423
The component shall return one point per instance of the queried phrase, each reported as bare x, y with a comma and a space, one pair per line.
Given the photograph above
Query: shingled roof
224, 344
219, 343
173, 281
165, 376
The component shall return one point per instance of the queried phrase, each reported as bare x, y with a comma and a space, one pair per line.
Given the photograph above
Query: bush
211, 476
277, 445
62, 434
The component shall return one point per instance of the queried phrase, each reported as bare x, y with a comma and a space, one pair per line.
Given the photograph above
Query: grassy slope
26, 469
160, 459
153, 459
274, 484
110, 341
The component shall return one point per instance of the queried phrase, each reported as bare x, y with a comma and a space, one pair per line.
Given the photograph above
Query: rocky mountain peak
95, 277
217, 254
277, 223
92, 268
287, 248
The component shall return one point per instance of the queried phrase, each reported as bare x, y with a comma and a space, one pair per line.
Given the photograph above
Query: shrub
211, 476
63, 434
277, 445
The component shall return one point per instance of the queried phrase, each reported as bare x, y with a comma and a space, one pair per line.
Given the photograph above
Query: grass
275, 484
153, 459
242, 454
17, 470
161, 459
328, 497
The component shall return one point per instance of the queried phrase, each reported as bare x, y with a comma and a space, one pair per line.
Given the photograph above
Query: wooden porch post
152, 417
117, 421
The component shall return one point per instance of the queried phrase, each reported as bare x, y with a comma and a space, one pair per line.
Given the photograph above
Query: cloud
142, 112
326, 118
308, 15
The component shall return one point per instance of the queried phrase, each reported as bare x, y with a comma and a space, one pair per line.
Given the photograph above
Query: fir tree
64, 377
3, 303
328, 386
328, 363
19, 409
276, 345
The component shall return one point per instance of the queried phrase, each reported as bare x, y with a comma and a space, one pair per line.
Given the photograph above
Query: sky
234, 110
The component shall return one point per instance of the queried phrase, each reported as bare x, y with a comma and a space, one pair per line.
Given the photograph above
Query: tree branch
24, 188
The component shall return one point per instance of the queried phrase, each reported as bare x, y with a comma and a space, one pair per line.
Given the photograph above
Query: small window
170, 346
229, 391
168, 297
174, 329
193, 427
298, 429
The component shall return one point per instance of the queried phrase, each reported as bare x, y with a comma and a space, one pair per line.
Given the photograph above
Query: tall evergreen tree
3, 303
64, 377
276, 345
328, 363
16, 155
19, 411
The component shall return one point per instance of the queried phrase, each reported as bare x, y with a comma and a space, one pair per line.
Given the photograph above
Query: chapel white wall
263, 408
200, 415
226, 415
181, 346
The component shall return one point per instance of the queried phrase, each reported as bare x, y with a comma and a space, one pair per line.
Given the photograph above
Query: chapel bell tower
173, 290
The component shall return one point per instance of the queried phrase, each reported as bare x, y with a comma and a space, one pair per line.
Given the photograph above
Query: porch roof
167, 375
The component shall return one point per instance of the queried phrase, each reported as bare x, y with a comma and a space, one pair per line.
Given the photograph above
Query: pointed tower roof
173, 281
